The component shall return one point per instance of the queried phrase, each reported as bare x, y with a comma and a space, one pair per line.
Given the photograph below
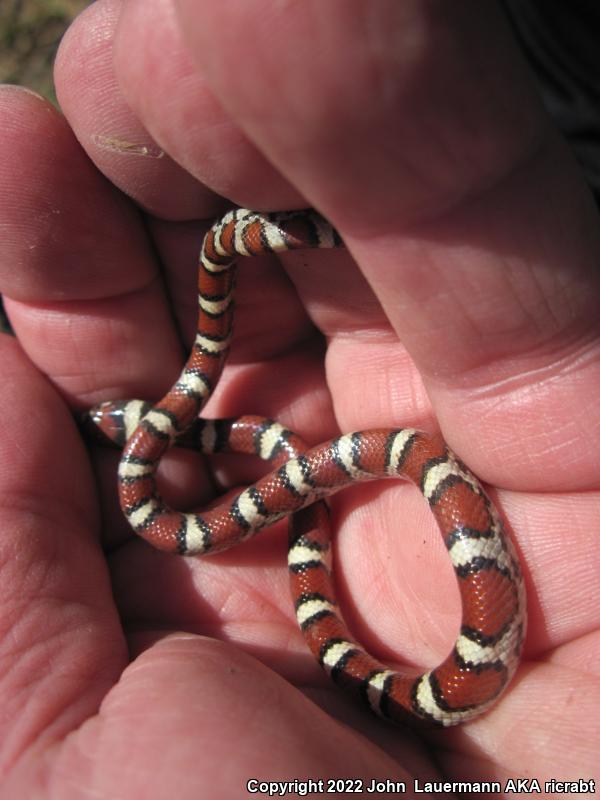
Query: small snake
489, 577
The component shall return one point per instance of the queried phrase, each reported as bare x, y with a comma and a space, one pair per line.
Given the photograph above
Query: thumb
413, 128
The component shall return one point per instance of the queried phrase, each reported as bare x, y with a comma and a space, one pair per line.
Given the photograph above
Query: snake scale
489, 577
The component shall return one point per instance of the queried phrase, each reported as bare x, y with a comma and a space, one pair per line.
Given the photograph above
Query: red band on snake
489, 577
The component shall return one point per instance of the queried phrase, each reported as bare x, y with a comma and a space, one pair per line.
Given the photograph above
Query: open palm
466, 300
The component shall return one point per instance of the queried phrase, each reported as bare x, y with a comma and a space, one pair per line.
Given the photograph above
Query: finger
108, 130
537, 725
86, 276
254, 183
179, 705
61, 644
88, 281
556, 534
327, 302
79, 274
490, 286
367, 91
209, 150
82, 276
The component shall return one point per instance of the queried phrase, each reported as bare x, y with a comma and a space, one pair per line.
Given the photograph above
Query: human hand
416, 135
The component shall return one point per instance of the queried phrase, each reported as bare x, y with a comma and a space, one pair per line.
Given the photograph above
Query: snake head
113, 421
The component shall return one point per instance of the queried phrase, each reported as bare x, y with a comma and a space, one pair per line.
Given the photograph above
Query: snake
490, 581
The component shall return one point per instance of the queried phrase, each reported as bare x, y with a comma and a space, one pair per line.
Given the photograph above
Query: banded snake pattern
489, 577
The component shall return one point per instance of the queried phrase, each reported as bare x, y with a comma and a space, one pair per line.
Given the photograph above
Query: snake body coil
488, 647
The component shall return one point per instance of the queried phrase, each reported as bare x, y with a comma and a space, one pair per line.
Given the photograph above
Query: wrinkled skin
469, 301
